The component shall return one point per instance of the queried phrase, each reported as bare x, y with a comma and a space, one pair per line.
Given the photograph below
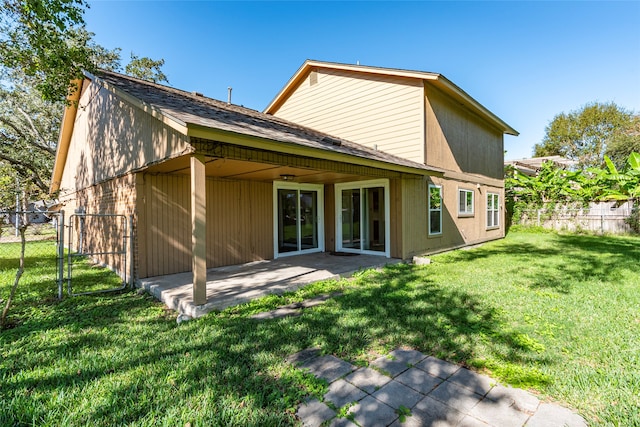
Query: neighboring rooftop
191, 108
532, 166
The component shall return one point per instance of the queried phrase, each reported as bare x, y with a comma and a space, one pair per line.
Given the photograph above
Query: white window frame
466, 212
429, 210
277, 185
361, 185
491, 211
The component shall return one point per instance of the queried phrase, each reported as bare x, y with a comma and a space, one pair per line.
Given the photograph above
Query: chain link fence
43, 266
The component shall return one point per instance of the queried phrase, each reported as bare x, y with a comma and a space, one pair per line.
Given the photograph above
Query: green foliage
41, 38
622, 144
29, 129
583, 135
146, 69
554, 186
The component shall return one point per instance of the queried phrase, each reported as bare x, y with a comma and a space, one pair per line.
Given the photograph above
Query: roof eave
205, 132
66, 131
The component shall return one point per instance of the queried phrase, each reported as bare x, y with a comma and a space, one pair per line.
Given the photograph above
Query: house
533, 165
210, 183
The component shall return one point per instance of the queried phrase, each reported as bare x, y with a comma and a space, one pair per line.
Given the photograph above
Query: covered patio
237, 284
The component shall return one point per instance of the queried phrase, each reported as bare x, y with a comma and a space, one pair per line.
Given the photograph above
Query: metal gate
102, 240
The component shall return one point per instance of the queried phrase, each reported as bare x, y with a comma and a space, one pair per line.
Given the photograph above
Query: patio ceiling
254, 171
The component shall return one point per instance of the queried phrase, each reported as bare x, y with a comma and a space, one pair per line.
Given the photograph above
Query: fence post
539, 217
601, 223
131, 248
60, 253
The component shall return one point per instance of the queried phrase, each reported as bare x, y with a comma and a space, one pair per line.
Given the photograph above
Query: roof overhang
435, 79
250, 141
66, 131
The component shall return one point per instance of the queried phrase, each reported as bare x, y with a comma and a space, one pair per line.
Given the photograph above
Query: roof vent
194, 93
332, 141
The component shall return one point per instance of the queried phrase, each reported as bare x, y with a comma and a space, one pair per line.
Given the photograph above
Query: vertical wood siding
458, 140
117, 196
329, 218
239, 223
370, 110
112, 137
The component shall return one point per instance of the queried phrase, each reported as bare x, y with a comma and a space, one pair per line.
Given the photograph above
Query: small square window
465, 202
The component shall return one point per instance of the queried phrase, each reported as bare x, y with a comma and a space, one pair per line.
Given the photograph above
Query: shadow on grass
118, 359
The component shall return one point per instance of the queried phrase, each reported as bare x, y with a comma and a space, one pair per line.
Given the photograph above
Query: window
435, 210
465, 202
493, 210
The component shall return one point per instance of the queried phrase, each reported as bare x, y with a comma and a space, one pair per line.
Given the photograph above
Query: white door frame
361, 185
319, 188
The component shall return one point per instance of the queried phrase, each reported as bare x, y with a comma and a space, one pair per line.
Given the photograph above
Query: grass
558, 314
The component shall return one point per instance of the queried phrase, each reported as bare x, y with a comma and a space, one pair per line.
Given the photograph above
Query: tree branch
37, 133
35, 177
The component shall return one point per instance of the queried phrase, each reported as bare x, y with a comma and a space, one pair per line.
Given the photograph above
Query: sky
524, 61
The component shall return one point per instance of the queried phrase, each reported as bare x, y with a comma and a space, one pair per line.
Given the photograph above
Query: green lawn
559, 314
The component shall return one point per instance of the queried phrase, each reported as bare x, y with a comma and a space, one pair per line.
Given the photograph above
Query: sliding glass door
362, 217
298, 218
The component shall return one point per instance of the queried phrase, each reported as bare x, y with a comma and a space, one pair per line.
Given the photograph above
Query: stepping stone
370, 412
367, 379
469, 421
313, 413
341, 392
498, 413
438, 368
431, 412
341, 422
328, 367
520, 399
397, 361
396, 394
478, 383
456, 396
555, 415
419, 380
301, 356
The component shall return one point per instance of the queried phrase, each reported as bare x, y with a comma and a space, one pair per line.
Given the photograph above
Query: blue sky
524, 61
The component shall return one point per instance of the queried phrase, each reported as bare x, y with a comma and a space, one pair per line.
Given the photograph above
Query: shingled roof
190, 108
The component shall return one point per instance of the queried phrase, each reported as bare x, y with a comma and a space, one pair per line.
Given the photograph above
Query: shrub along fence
602, 217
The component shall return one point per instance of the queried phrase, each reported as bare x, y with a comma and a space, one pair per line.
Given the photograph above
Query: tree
146, 69
583, 135
624, 143
42, 38
29, 128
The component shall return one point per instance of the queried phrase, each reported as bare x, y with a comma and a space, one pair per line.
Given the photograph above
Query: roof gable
435, 79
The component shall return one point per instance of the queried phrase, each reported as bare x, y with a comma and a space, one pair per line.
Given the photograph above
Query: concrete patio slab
238, 284
396, 394
419, 380
314, 413
372, 412
329, 368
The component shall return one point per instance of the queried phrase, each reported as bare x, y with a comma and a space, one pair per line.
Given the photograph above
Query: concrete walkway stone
437, 393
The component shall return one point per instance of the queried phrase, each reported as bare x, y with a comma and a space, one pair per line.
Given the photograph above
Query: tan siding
414, 218
329, 218
111, 137
239, 223
459, 140
369, 110
395, 217
116, 196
